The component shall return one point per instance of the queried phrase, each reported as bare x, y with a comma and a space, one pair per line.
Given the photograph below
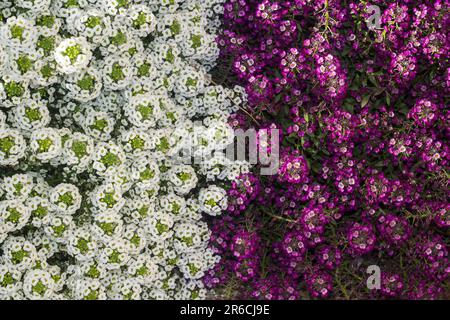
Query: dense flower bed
110, 111
363, 178
97, 100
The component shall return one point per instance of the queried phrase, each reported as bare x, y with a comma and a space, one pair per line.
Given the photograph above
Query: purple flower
391, 285
319, 283
394, 229
364, 157
361, 239
293, 169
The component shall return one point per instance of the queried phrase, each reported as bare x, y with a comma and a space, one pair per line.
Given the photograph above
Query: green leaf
349, 107
374, 81
365, 100
306, 116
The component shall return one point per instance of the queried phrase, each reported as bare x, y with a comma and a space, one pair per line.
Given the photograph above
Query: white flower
182, 178
116, 72
144, 111
108, 157
107, 198
215, 167
72, 55
159, 227
38, 285
34, 5
191, 290
92, 24
14, 215
142, 20
81, 244
22, 64
190, 236
84, 86
213, 200
194, 265
9, 280
136, 237
98, 124
66, 198
189, 82
90, 269
45, 144
145, 171
46, 72
31, 114
13, 90
18, 186
121, 178
12, 147
59, 228
144, 269
108, 120
19, 253
220, 134
136, 143
88, 289
119, 38
18, 33
78, 150
137, 210
47, 24
126, 289
3, 59
144, 67
107, 226
114, 7
40, 211
173, 205
167, 56
115, 254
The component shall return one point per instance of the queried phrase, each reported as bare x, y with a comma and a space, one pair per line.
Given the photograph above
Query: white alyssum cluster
111, 148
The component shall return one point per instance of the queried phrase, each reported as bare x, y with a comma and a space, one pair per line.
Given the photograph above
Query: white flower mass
98, 101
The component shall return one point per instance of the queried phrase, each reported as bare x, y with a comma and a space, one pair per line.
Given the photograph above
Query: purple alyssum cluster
364, 157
